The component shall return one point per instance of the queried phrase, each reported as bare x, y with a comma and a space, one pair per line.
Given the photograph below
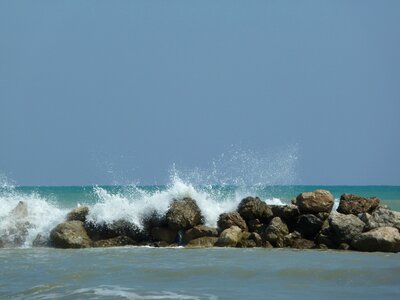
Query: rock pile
361, 224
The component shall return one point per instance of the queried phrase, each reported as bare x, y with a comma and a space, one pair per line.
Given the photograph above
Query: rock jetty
360, 224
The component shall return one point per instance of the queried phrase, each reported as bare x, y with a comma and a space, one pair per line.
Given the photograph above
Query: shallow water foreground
177, 273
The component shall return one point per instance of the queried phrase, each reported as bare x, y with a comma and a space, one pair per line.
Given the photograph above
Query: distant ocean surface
178, 273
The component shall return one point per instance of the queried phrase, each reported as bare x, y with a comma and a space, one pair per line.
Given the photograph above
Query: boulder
199, 231
183, 214
165, 234
227, 220
287, 213
230, 237
78, 214
296, 241
70, 234
252, 208
353, 204
104, 231
256, 226
315, 202
202, 242
250, 240
41, 241
345, 227
275, 232
118, 241
381, 217
309, 225
384, 239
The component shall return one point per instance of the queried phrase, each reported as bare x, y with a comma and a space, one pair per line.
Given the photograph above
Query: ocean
178, 273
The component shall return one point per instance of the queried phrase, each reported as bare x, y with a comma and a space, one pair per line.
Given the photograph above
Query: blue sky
95, 92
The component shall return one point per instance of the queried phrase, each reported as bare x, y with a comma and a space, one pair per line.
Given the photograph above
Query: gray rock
353, 204
199, 231
41, 241
230, 237
345, 227
184, 214
70, 234
315, 202
227, 220
252, 208
381, 217
275, 232
78, 214
384, 239
119, 241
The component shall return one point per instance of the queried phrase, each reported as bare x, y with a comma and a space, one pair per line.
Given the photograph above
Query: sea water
178, 273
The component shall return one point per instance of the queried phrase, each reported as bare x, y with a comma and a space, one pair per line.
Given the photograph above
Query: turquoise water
177, 273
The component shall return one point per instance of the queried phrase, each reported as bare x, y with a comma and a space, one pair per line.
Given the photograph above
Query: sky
104, 92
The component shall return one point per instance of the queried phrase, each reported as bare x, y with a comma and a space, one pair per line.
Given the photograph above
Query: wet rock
381, 217
345, 227
344, 246
227, 220
202, 242
41, 241
315, 202
309, 225
118, 241
353, 204
70, 234
184, 214
199, 231
384, 239
167, 235
20, 211
78, 214
230, 237
275, 232
252, 208
287, 213
256, 226
296, 241
250, 240
104, 231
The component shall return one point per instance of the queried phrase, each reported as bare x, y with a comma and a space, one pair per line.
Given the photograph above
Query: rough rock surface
227, 220
115, 242
353, 204
385, 239
251, 208
315, 202
70, 234
78, 214
287, 213
203, 242
295, 240
184, 214
199, 231
309, 225
275, 232
103, 231
345, 227
230, 237
381, 217
250, 240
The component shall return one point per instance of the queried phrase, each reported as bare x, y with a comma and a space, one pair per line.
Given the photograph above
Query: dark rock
118, 241
309, 225
287, 213
345, 227
353, 204
252, 208
384, 239
78, 214
344, 246
199, 231
256, 226
315, 202
70, 234
250, 240
184, 214
227, 220
275, 232
202, 242
164, 234
230, 237
295, 240
41, 241
104, 231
